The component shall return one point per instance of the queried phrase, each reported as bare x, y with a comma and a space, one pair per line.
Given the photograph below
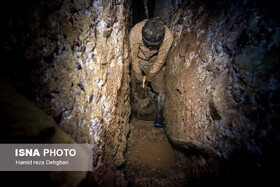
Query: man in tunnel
150, 41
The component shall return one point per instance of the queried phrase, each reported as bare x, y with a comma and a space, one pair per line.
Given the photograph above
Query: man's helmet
153, 32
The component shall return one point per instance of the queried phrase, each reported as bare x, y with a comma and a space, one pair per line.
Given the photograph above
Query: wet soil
151, 159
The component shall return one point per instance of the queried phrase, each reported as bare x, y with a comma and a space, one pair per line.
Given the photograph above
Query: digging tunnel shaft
65, 77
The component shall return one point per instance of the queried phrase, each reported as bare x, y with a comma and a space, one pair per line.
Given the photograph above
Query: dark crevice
81, 86
138, 10
58, 118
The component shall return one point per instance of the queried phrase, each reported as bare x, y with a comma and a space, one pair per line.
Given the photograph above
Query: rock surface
223, 85
72, 60
23, 122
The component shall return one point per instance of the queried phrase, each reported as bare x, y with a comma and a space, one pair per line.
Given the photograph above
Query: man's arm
162, 54
134, 47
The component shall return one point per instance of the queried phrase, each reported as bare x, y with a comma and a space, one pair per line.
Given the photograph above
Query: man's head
153, 32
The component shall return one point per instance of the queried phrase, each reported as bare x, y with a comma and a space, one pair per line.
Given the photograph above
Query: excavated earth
151, 160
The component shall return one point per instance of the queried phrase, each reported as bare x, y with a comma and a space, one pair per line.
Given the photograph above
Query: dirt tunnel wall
71, 59
223, 86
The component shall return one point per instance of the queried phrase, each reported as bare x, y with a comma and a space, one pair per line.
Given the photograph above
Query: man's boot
159, 112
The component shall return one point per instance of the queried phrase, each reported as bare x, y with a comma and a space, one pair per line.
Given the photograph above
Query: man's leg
159, 112
158, 85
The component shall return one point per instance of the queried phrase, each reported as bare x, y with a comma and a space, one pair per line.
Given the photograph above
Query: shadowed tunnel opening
140, 9
65, 78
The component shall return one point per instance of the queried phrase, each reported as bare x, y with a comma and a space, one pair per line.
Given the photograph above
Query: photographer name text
42, 162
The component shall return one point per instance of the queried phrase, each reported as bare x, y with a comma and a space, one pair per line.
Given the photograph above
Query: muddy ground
151, 160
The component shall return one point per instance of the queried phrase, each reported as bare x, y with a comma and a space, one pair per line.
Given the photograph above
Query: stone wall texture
23, 122
71, 58
223, 83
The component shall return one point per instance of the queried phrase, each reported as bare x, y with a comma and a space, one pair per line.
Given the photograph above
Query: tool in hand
143, 81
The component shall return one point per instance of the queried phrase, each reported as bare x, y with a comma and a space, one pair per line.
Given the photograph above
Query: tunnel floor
151, 160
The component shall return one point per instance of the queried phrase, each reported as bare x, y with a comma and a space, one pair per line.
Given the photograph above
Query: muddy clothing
150, 61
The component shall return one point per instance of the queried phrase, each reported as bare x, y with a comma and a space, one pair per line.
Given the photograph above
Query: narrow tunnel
66, 78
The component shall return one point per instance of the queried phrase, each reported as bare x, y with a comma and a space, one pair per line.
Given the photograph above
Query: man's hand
138, 87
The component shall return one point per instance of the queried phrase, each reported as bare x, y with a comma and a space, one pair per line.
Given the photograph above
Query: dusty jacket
140, 51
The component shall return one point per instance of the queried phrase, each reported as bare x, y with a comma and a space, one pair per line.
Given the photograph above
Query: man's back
140, 51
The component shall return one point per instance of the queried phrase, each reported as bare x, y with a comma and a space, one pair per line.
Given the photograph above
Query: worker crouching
150, 41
